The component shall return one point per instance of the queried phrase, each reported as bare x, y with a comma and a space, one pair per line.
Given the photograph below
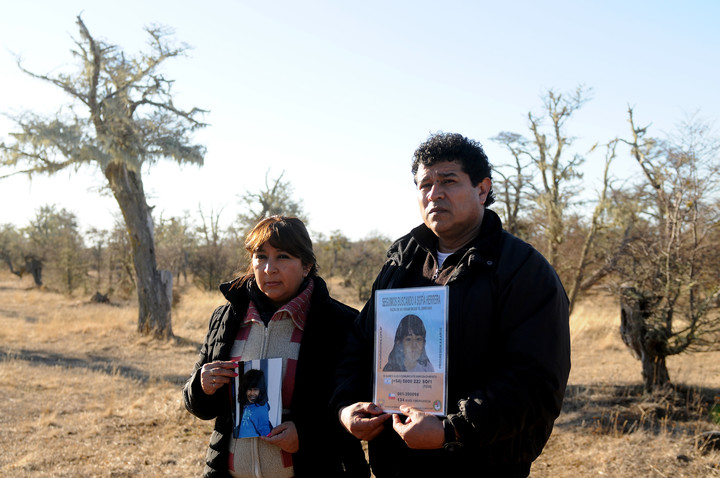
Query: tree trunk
644, 342
154, 315
654, 371
34, 267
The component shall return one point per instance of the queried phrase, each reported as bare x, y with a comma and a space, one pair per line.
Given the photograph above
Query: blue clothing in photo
255, 420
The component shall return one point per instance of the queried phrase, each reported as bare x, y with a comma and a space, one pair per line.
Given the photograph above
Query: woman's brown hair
286, 233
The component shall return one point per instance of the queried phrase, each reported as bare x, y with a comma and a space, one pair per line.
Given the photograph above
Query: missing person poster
411, 349
257, 399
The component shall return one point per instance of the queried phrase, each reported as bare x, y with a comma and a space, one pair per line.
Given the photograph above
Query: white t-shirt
441, 256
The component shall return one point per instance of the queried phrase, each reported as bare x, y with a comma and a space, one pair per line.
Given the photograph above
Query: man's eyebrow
440, 174
429, 174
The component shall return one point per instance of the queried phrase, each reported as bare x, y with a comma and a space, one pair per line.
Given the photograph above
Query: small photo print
257, 399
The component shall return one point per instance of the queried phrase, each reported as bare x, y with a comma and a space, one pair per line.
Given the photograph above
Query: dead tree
122, 118
646, 342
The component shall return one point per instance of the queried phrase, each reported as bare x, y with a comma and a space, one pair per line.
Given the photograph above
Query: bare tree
329, 251
211, 262
97, 239
596, 223
121, 274
361, 262
275, 199
15, 253
670, 285
126, 119
175, 242
53, 237
513, 185
554, 169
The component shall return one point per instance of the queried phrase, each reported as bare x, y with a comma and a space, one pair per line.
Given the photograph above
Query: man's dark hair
455, 147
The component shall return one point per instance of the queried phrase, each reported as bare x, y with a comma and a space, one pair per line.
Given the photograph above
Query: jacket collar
237, 291
297, 309
484, 248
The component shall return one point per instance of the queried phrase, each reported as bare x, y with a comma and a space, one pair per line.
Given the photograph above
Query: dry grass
609, 427
84, 395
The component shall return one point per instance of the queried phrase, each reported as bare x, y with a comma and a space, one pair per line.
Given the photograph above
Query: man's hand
364, 420
421, 430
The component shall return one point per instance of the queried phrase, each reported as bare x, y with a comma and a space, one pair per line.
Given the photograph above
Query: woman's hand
284, 436
214, 375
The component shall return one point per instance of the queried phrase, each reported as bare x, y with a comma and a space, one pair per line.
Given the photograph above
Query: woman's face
413, 346
278, 274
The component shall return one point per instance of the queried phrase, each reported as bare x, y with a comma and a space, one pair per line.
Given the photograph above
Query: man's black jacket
508, 359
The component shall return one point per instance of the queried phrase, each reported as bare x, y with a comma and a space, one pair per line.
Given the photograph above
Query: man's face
449, 204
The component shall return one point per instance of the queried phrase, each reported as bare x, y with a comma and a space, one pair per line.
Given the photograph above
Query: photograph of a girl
408, 353
254, 406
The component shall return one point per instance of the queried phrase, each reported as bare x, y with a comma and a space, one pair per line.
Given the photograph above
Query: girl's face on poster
413, 346
252, 394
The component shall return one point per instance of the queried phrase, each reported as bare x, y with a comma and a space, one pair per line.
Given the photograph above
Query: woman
279, 308
408, 353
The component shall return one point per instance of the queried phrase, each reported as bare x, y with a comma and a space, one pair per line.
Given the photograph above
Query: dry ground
84, 395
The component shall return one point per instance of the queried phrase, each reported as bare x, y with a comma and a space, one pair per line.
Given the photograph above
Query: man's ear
484, 188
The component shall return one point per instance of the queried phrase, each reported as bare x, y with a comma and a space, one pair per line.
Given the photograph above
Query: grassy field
84, 395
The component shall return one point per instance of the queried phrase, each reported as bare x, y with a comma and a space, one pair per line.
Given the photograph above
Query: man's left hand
421, 430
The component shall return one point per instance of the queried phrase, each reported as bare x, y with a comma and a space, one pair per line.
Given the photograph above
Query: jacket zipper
266, 339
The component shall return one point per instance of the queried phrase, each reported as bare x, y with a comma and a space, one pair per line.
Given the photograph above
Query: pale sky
339, 94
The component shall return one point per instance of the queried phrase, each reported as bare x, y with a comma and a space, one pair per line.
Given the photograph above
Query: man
508, 338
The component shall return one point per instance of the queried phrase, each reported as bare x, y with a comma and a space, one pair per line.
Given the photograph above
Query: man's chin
436, 226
